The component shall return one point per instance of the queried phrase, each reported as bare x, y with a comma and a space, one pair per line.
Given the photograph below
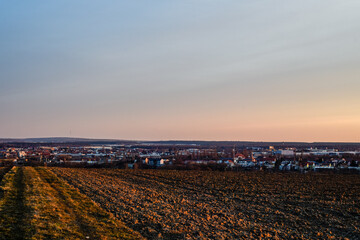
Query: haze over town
205, 70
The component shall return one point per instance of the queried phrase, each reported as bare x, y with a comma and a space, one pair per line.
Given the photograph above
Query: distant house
227, 161
239, 156
285, 152
247, 162
154, 162
267, 162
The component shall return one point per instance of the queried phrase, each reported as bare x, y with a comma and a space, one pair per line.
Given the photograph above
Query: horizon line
173, 140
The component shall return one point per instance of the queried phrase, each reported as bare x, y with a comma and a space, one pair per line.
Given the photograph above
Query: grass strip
62, 212
51, 218
15, 213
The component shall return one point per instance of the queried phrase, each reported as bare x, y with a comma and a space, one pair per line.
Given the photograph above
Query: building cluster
183, 157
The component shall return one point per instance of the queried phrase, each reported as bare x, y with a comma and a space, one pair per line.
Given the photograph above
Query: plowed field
225, 205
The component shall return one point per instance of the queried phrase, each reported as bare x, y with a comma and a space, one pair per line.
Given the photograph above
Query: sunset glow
194, 70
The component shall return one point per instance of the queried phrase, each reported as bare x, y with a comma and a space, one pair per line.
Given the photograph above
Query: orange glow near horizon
233, 70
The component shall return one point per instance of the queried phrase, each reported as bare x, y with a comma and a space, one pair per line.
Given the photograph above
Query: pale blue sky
222, 70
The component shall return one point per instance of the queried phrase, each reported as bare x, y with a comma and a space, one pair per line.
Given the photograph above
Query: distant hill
187, 143
53, 140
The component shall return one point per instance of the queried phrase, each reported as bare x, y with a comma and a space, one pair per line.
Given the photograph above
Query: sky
244, 70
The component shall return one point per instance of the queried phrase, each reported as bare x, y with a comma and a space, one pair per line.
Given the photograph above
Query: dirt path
14, 213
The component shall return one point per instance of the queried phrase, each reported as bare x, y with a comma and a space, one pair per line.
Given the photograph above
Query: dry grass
15, 213
39, 205
71, 211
